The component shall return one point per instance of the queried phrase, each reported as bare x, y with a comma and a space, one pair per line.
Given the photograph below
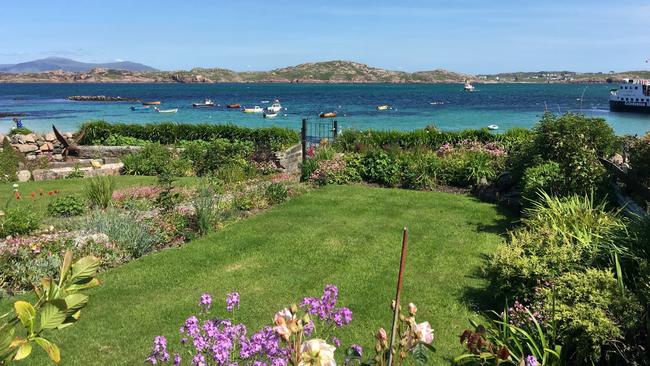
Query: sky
471, 36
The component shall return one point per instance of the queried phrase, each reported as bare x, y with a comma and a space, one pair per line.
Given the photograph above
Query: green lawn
346, 235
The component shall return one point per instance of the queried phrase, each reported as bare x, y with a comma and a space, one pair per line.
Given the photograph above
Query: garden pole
303, 137
398, 295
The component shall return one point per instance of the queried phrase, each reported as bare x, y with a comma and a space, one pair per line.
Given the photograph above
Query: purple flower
531, 361
159, 352
205, 302
357, 348
309, 328
199, 360
336, 341
342, 316
232, 301
177, 359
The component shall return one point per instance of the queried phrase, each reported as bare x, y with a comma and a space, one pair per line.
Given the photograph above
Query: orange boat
235, 105
151, 103
327, 115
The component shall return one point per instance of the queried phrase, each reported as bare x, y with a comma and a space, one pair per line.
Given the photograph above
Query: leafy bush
558, 235
640, 158
19, 221
381, 168
9, 159
591, 312
272, 138
206, 210
20, 131
420, 171
119, 140
124, 229
99, 191
276, 193
155, 159
66, 206
546, 177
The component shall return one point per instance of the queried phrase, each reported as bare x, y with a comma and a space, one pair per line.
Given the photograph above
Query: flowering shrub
301, 335
136, 193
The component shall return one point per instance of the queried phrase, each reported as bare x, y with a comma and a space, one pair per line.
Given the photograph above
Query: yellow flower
316, 352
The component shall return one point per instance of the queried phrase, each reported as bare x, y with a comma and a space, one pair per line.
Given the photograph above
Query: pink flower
412, 308
424, 332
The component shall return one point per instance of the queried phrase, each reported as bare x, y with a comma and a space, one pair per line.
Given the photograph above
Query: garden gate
317, 133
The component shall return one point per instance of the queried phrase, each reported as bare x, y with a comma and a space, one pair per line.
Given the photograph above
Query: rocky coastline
101, 98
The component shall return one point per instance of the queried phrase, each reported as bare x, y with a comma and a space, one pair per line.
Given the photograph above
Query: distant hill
66, 64
67, 71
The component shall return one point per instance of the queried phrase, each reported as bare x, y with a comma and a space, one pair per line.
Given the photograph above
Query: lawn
345, 235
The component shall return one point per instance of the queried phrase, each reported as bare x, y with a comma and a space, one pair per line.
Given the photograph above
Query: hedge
168, 133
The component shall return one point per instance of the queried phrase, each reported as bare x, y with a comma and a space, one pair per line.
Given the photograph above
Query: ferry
631, 96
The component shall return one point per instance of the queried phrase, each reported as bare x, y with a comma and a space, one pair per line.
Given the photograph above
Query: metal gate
317, 133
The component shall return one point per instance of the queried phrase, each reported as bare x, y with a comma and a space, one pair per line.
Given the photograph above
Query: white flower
316, 352
283, 316
15, 185
424, 332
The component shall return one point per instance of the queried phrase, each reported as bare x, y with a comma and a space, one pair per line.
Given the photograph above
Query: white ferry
631, 96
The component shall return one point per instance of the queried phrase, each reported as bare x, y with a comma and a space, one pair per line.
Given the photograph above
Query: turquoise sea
446, 106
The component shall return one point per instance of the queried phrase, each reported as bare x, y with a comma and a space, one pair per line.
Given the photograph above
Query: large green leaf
53, 314
23, 351
85, 286
84, 270
65, 266
6, 337
75, 302
51, 349
26, 313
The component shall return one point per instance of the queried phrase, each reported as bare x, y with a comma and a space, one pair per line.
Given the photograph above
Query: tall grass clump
124, 229
206, 209
99, 191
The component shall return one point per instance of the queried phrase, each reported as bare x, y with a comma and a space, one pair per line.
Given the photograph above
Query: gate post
336, 129
303, 138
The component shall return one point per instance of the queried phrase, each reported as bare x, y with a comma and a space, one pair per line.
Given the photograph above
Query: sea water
446, 106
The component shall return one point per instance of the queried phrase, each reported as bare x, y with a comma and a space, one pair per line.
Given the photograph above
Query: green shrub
381, 168
124, 229
276, 193
546, 177
479, 166
19, 221
99, 191
558, 235
271, 138
9, 159
66, 206
591, 314
20, 131
119, 140
640, 158
219, 156
155, 159
206, 209
420, 170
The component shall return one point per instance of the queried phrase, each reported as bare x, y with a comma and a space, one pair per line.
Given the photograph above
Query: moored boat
207, 103
469, 87
233, 106
256, 109
156, 102
383, 107
493, 127
143, 108
327, 115
275, 107
270, 114
173, 110
631, 96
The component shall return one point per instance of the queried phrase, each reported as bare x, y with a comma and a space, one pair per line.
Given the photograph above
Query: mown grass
345, 235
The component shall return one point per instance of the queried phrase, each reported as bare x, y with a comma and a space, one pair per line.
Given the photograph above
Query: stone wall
35, 145
289, 160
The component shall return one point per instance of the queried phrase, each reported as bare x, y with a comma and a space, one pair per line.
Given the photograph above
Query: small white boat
270, 115
265, 102
469, 87
275, 107
256, 109
207, 102
493, 127
173, 110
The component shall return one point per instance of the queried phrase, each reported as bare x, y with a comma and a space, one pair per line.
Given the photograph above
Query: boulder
24, 175
47, 147
29, 139
25, 148
49, 137
67, 135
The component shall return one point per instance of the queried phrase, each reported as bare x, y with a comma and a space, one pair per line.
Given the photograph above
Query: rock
47, 147
2, 138
67, 135
29, 139
30, 157
57, 157
101, 98
24, 175
25, 148
49, 137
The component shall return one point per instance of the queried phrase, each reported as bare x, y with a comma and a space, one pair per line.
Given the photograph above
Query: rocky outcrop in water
101, 98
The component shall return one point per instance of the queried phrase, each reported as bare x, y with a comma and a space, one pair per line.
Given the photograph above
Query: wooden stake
398, 295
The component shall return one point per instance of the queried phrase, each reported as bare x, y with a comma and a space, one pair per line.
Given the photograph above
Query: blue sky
473, 36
